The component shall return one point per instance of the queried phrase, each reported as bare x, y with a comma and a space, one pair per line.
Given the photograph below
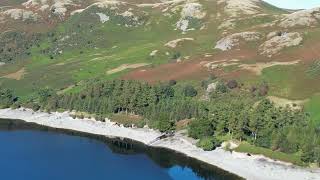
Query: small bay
34, 152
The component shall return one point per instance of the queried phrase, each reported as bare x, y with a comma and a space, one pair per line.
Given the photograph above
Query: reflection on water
38, 152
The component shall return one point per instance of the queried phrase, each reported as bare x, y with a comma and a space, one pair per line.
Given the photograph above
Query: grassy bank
313, 107
276, 155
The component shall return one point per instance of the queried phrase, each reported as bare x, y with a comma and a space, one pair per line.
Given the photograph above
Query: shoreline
168, 157
255, 167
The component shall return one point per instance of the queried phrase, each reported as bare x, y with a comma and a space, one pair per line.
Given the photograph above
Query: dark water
32, 152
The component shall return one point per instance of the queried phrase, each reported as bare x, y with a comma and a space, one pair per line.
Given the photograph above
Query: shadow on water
164, 157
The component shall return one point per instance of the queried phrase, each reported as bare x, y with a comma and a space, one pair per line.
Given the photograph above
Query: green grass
272, 9
133, 45
313, 107
248, 148
313, 70
287, 81
126, 119
228, 69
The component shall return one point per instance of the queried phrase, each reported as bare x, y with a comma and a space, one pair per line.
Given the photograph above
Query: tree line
242, 114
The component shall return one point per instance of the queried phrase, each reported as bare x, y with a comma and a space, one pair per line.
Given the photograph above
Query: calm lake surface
32, 152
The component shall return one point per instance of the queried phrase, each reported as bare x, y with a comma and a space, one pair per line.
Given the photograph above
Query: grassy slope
291, 158
291, 81
115, 45
313, 108
134, 44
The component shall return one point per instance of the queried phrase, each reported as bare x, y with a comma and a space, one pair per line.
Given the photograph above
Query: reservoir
32, 152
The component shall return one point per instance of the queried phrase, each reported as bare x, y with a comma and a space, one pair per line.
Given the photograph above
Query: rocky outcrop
21, 14
189, 11
227, 25
57, 7
278, 41
233, 40
153, 53
235, 8
112, 4
304, 18
103, 17
174, 43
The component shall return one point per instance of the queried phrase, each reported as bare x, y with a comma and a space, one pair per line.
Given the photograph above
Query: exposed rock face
233, 40
127, 14
2, 19
103, 18
192, 10
118, 8
309, 17
21, 14
153, 53
211, 87
107, 4
189, 10
279, 41
259, 67
273, 34
61, 8
77, 11
37, 4
174, 43
227, 25
58, 7
240, 7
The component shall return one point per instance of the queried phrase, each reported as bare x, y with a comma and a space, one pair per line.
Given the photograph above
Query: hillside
59, 43
212, 55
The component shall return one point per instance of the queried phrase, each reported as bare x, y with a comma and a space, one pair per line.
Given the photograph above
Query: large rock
233, 40
278, 41
189, 10
174, 43
234, 8
58, 7
21, 14
310, 17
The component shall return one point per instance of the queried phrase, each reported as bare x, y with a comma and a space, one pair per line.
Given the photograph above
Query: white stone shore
250, 167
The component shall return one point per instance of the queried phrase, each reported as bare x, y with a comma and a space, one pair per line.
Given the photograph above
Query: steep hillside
60, 43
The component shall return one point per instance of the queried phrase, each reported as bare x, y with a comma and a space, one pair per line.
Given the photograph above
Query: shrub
313, 69
190, 91
253, 90
200, 128
176, 55
165, 125
32, 105
81, 116
263, 90
204, 84
232, 84
209, 80
172, 82
100, 118
221, 87
208, 143
7, 98
15, 105
166, 90
141, 124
